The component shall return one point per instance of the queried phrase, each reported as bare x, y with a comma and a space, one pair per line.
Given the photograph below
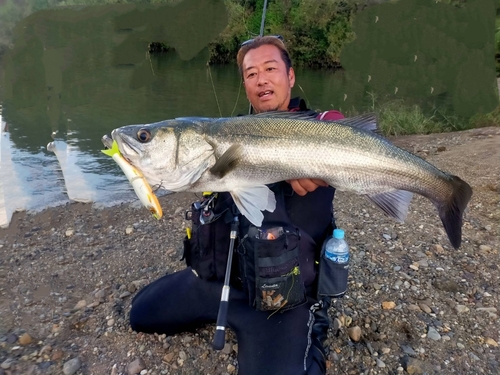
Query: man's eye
250, 75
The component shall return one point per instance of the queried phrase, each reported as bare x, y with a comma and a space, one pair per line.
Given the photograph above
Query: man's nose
262, 79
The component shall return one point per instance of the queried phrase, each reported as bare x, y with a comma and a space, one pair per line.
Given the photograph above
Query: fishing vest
275, 264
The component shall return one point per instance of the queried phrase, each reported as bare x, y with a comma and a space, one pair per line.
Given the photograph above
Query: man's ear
291, 77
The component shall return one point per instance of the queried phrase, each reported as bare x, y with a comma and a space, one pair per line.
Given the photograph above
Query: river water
58, 102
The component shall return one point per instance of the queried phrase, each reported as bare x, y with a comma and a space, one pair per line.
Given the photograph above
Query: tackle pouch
206, 248
269, 266
332, 278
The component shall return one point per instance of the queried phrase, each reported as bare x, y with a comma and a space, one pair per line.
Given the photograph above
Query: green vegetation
425, 70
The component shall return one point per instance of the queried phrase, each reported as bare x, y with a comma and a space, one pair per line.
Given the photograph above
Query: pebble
25, 339
461, 309
129, 230
460, 345
388, 305
168, 357
380, 363
425, 308
125, 294
80, 305
491, 342
473, 357
408, 350
354, 333
71, 366
110, 322
397, 268
485, 248
136, 366
6, 364
433, 334
231, 368
69, 232
414, 366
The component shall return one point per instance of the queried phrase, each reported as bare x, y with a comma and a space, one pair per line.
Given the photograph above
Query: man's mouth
264, 94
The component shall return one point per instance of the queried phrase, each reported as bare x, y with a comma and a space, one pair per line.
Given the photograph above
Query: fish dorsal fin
394, 203
228, 161
367, 121
251, 201
298, 115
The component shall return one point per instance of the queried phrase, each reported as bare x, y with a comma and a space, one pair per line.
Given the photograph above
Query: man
287, 340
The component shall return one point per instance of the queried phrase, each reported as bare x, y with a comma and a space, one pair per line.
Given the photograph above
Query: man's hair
261, 41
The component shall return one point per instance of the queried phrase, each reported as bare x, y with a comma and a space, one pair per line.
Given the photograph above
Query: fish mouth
107, 141
126, 145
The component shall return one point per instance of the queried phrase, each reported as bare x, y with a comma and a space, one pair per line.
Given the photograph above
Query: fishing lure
137, 180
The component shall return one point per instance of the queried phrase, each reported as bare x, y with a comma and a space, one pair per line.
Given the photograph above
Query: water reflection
69, 83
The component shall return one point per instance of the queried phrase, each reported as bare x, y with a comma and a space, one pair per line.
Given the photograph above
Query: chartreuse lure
137, 180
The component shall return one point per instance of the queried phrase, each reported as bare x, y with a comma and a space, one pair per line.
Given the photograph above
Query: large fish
243, 154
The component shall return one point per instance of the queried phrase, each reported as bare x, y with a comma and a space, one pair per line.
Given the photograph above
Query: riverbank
68, 274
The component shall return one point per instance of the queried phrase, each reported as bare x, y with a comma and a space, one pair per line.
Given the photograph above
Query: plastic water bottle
336, 248
336, 268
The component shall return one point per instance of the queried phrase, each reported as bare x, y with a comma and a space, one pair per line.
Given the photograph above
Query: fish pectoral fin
367, 121
251, 201
228, 161
394, 203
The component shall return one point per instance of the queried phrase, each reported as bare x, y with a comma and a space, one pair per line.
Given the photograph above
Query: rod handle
220, 328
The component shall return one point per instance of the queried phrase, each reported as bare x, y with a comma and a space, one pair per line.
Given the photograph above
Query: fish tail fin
452, 210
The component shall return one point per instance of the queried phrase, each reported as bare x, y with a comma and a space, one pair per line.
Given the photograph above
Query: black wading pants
288, 343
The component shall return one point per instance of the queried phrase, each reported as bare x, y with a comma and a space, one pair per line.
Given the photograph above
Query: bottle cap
338, 233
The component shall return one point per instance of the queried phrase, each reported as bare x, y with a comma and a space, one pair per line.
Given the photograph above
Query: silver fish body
243, 154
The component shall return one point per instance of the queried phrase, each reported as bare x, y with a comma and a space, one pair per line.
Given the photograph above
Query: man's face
267, 82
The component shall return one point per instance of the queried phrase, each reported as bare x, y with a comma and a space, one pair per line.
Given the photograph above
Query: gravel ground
415, 305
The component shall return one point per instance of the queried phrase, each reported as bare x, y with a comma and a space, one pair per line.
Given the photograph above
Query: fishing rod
220, 326
262, 23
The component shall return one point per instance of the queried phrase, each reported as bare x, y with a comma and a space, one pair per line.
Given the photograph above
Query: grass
398, 117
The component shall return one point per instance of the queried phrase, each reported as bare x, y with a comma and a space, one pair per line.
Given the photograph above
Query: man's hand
306, 185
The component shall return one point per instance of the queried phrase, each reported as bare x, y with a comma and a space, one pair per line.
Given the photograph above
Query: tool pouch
207, 250
269, 266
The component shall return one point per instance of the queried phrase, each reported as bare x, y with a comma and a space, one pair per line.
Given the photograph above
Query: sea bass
243, 154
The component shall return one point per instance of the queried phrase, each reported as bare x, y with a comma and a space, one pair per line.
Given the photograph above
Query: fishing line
213, 87
237, 98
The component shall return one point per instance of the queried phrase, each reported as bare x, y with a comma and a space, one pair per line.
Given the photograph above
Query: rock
57, 354
461, 309
11, 338
231, 368
438, 249
168, 357
425, 308
433, 334
136, 366
485, 248
129, 229
71, 366
441, 148
125, 294
408, 350
80, 305
491, 342
380, 363
25, 339
69, 232
110, 322
354, 333
446, 286
388, 305
114, 370
413, 366
6, 364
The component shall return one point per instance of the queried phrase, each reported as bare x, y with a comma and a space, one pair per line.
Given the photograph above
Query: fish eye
144, 135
